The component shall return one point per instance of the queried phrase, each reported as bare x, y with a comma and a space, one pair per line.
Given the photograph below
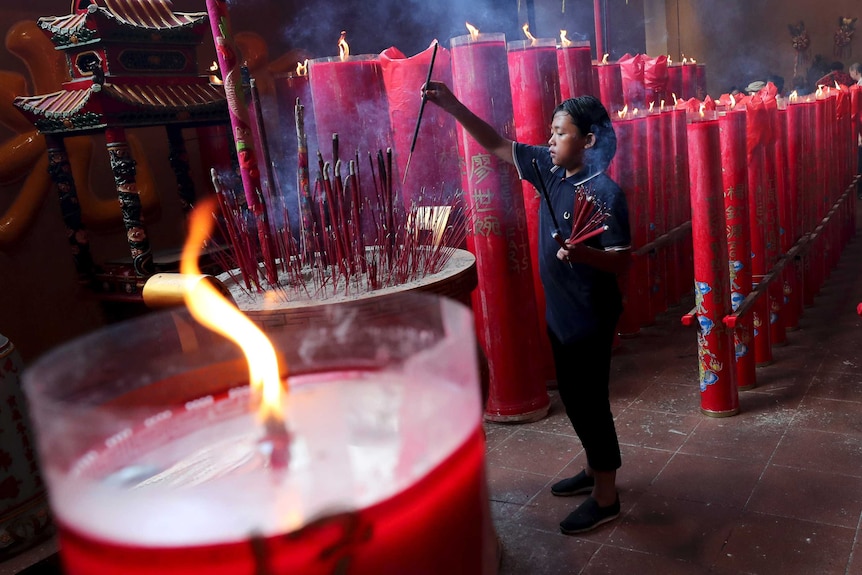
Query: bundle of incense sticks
588, 217
351, 239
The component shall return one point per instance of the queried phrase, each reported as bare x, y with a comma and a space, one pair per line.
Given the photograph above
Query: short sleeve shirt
579, 299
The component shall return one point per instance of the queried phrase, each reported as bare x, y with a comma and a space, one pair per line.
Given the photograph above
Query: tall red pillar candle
719, 395
735, 185
674, 82
809, 200
434, 178
689, 80
535, 85
787, 180
575, 68
700, 81
773, 177
610, 86
504, 300
796, 155
671, 209
681, 185
629, 169
350, 100
657, 207
756, 124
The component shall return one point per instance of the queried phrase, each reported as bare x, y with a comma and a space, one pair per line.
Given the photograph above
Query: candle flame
651, 106
819, 92
622, 113
692, 61
669, 60
212, 310
214, 78
675, 101
302, 68
343, 48
837, 86
474, 32
793, 96
732, 101
530, 37
702, 109
684, 60
564, 41
605, 58
661, 104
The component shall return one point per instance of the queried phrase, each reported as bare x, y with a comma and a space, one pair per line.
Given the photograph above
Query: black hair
589, 115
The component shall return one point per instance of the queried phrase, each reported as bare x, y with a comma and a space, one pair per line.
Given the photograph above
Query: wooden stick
421, 110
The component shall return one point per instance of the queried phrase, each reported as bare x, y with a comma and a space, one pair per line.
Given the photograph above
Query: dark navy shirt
579, 299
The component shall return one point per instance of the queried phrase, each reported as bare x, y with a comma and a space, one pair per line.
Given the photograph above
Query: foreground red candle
735, 182
535, 86
575, 67
689, 80
674, 82
158, 465
718, 390
507, 332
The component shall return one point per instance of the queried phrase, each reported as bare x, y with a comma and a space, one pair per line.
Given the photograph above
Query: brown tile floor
774, 489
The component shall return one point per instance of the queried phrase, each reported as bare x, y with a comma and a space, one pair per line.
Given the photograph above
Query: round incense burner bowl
456, 280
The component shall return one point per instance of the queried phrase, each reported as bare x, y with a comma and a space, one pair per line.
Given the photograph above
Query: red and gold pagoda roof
124, 105
147, 15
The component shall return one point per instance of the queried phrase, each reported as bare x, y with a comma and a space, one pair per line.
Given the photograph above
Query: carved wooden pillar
179, 158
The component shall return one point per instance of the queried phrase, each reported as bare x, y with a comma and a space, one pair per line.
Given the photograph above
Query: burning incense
421, 110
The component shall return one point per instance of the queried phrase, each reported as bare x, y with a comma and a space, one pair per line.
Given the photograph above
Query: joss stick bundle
350, 240
588, 217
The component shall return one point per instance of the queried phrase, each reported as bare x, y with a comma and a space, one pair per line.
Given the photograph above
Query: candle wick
276, 438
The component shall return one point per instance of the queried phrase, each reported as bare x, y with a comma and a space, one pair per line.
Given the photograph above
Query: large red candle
689, 80
434, 177
773, 178
796, 182
735, 182
700, 81
535, 86
350, 100
787, 164
575, 66
718, 390
674, 82
681, 185
757, 123
629, 170
656, 208
809, 199
610, 82
159, 465
507, 325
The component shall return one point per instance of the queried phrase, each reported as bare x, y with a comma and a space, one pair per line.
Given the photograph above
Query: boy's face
567, 144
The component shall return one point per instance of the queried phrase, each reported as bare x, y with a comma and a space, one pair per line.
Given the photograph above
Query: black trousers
583, 375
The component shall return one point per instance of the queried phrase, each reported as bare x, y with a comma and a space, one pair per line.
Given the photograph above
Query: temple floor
774, 489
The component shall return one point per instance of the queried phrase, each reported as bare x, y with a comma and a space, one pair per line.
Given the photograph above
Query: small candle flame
605, 58
684, 60
661, 104
692, 61
302, 68
733, 101
212, 310
651, 106
674, 98
343, 48
819, 92
474, 32
793, 96
564, 41
669, 60
702, 109
214, 77
530, 37
622, 113
837, 86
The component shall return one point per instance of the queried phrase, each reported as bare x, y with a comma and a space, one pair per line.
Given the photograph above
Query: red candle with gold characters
509, 331
575, 66
535, 86
735, 182
719, 395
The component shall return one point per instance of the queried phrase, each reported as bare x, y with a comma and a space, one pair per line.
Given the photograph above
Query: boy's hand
440, 94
